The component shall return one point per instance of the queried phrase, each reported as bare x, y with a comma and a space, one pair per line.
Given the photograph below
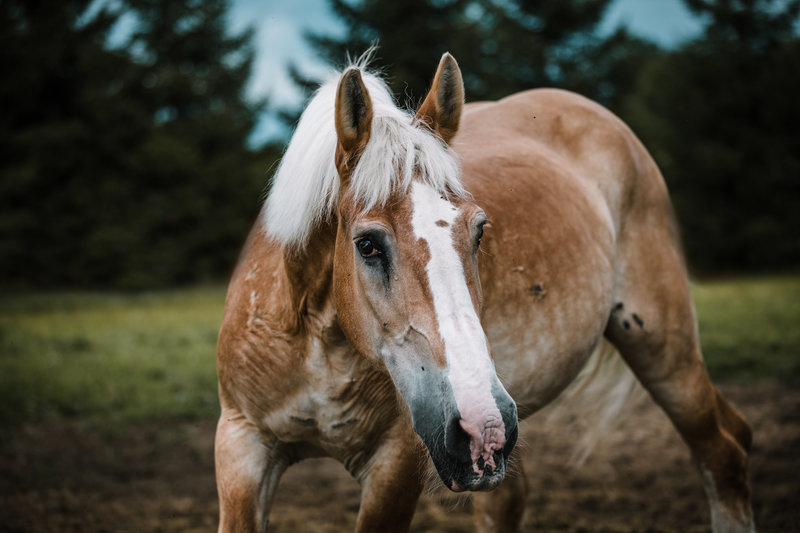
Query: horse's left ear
441, 109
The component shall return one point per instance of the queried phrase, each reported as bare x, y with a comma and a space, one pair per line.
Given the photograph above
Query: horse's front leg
247, 475
391, 483
501, 510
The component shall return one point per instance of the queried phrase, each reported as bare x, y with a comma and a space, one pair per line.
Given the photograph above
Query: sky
280, 24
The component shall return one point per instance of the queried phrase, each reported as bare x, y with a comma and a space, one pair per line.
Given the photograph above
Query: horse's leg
391, 484
247, 475
502, 509
653, 325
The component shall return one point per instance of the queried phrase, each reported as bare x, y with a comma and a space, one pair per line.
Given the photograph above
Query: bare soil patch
159, 476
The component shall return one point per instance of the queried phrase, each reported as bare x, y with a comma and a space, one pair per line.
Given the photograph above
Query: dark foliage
502, 47
720, 116
124, 167
129, 166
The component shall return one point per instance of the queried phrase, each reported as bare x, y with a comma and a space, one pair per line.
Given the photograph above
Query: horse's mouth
460, 473
459, 476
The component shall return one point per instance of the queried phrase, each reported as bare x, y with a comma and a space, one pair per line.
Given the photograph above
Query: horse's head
406, 284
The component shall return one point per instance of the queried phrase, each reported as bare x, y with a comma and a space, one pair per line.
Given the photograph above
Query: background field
152, 355
108, 405
109, 356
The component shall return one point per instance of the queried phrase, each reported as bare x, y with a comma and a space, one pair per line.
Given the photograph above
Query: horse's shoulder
253, 292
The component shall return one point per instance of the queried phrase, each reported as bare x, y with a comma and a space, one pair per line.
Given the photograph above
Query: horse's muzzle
480, 475
467, 457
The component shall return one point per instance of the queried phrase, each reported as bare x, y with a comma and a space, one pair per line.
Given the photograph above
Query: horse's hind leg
653, 326
247, 475
501, 510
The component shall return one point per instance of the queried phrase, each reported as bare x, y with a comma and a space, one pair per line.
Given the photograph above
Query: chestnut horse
418, 278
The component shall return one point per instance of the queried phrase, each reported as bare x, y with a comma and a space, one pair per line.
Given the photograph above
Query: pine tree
203, 183
720, 116
502, 47
754, 25
58, 99
127, 167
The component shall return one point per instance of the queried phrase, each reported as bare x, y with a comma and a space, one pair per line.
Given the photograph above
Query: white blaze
470, 369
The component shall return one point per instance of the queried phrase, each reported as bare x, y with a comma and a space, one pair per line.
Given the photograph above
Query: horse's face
407, 293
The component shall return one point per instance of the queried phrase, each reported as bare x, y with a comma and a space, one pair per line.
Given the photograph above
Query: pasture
108, 406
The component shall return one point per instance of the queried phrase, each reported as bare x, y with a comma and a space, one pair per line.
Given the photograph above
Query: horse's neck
309, 275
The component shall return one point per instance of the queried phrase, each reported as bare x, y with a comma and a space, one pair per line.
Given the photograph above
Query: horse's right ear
353, 117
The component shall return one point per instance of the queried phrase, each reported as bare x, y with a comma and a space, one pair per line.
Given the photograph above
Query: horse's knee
391, 483
246, 476
734, 423
701, 414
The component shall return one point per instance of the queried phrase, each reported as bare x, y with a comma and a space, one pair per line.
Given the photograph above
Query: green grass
109, 356
114, 357
750, 328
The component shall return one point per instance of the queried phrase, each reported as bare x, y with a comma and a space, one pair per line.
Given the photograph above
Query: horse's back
553, 167
574, 137
564, 183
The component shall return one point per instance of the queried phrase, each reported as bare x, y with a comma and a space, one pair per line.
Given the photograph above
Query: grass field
109, 356
114, 357
750, 329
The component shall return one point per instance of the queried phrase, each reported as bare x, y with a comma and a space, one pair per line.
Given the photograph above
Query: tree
720, 116
753, 25
57, 95
502, 47
203, 183
130, 166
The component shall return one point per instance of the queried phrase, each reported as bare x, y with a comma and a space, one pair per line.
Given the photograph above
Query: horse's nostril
486, 468
457, 440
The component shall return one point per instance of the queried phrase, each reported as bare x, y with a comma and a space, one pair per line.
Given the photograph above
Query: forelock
305, 189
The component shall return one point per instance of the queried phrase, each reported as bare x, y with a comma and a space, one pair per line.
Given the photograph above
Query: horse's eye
368, 249
480, 236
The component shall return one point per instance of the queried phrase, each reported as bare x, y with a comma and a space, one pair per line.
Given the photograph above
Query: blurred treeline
124, 165
129, 166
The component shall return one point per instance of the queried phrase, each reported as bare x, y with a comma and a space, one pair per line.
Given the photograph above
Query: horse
418, 283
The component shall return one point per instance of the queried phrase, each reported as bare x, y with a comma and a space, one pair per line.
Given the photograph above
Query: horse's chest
315, 414
341, 405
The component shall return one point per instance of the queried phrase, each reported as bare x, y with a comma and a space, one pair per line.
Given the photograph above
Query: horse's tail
597, 401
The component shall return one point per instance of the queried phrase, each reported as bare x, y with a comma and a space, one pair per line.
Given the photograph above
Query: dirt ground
70, 476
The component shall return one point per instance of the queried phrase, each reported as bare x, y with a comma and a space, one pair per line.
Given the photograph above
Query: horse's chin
460, 477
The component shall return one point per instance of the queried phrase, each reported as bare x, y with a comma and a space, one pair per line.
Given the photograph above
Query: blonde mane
305, 190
